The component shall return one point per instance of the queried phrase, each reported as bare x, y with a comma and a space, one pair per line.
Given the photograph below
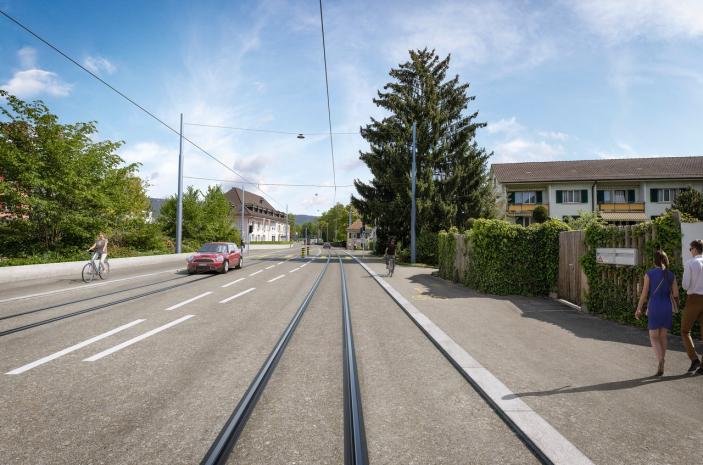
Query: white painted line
269, 267
295, 269
281, 263
73, 348
237, 295
276, 278
233, 282
550, 441
85, 286
185, 302
256, 272
134, 340
305, 264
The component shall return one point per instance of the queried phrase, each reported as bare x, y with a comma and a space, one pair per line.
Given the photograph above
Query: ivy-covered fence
614, 290
502, 258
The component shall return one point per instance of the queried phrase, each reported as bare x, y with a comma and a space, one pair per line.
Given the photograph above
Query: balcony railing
621, 207
526, 207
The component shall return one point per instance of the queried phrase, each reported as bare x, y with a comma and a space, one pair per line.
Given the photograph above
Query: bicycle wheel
88, 273
391, 267
104, 270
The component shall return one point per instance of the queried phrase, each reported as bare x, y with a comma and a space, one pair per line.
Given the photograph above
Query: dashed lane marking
233, 282
295, 269
185, 302
134, 340
276, 278
73, 348
269, 267
256, 272
237, 295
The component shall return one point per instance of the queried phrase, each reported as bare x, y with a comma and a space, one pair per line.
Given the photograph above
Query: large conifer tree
452, 183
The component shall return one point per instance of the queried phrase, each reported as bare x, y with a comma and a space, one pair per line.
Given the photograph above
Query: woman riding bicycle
100, 249
389, 255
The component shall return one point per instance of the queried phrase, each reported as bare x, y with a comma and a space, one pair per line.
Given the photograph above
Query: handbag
672, 300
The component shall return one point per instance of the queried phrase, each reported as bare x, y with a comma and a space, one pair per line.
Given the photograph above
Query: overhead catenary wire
130, 100
327, 90
269, 131
268, 183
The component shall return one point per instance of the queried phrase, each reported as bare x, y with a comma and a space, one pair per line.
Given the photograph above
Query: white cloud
520, 149
504, 126
554, 135
33, 82
623, 20
27, 57
99, 65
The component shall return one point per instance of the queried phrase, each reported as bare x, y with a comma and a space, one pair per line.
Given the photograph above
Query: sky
554, 80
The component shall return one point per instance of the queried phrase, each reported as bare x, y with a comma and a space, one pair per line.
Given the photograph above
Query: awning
623, 216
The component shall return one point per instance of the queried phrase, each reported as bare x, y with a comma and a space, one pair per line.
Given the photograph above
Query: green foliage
426, 250
539, 214
208, 219
606, 283
689, 202
452, 182
584, 220
64, 186
505, 258
336, 217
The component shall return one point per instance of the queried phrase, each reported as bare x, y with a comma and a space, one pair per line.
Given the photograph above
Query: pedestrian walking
662, 293
693, 284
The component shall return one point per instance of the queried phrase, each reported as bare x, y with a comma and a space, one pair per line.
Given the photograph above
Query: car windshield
213, 248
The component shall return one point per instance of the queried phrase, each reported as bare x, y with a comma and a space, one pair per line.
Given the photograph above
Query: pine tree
452, 183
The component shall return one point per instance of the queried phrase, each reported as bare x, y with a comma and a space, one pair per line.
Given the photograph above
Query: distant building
622, 191
267, 223
155, 205
359, 235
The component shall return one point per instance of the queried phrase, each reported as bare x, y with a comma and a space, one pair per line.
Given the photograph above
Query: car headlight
190, 258
219, 258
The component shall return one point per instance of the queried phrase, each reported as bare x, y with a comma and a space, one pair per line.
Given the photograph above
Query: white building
267, 223
623, 191
359, 235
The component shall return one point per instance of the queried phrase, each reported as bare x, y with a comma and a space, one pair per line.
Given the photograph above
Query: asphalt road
154, 367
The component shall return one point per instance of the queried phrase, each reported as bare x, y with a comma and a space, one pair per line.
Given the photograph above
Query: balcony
621, 207
525, 208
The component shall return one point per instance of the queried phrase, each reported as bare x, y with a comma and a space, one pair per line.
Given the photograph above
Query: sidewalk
588, 377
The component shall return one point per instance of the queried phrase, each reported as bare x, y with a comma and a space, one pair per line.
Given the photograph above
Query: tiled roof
600, 170
254, 204
355, 226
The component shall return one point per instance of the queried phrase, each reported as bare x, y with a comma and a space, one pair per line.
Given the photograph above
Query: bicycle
390, 264
90, 269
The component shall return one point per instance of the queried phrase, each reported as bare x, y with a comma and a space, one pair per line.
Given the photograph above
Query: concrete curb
550, 443
13, 274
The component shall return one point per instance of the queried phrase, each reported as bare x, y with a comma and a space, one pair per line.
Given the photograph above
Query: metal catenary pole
412, 210
179, 209
244, 226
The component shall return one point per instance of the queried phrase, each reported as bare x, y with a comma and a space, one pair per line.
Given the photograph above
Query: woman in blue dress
663, 292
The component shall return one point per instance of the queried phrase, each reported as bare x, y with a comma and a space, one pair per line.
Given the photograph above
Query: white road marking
173, 307
73, 348
295, 269
134, 340
276, 278
56, 291
256, 272
550, 441
269, 267
281, 263
305, 264
233, 282
237, 295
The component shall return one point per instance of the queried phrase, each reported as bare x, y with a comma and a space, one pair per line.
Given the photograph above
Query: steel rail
522, 436
219, 451
355, 450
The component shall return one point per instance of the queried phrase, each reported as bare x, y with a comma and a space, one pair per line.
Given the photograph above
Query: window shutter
584, 195
539, 197
511, 198
654, 195
559, 196
631, 196
600, 196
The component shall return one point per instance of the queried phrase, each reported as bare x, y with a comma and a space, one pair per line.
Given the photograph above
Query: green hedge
427, 243
504, 258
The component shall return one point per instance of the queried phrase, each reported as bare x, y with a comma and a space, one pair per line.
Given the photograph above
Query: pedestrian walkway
589, 378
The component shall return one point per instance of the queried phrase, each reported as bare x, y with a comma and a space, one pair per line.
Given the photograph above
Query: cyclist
100, 249
389, 255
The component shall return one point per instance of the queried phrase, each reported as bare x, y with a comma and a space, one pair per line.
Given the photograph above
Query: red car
215, 256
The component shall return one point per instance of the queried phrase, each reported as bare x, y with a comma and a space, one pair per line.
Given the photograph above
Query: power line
121, 94
269, 131
327, 89
268, 184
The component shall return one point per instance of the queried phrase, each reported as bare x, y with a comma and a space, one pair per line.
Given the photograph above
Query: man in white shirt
693, 284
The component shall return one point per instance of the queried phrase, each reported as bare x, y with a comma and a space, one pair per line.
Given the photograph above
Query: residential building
359, 235
622, 191
267, 223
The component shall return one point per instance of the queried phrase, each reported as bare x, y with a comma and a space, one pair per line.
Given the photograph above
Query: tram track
355, 450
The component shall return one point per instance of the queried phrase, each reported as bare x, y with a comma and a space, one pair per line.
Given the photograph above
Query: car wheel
225, 267
240, 263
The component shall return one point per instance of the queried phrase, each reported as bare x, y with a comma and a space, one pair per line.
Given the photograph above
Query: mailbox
616, 256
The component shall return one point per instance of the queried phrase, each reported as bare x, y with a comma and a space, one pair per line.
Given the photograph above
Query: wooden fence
572, 284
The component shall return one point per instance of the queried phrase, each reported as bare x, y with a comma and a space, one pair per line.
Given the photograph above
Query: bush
426, 251
539, 214
505, 258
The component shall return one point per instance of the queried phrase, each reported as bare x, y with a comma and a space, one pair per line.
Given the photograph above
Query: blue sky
554, 80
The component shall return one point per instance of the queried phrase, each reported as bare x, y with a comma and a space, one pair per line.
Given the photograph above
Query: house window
525, 198
616, 196
664, 195
572, 196
619, 197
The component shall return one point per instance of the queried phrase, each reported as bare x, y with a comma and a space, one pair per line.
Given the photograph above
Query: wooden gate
572, 280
